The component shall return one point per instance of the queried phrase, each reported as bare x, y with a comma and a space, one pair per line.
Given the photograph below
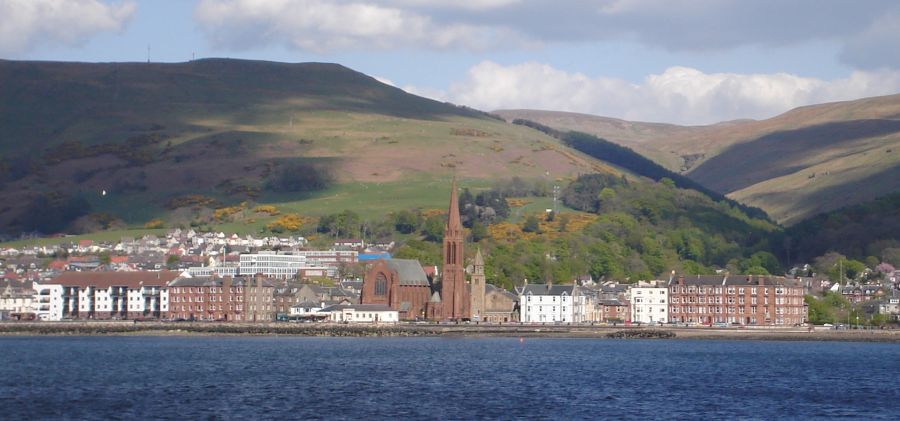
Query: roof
307, 304
547, 289
356, 307
208, 281
488, 289
611, 303
373, 256
109, 279
735, 280
410, 272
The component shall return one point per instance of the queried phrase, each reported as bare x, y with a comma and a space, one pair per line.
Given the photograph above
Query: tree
172, 261
532, 224
406, 222
433, 229
479, 232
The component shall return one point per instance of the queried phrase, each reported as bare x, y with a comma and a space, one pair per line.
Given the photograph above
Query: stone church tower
477, 289
454, 294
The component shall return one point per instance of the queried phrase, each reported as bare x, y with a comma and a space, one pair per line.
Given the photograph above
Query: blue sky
688, 62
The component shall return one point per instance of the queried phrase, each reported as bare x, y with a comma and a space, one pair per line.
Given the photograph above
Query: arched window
380, 284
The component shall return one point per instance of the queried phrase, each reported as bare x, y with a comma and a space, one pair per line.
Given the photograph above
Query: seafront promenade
449, 330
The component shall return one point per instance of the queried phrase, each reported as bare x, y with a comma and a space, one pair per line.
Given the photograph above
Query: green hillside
136, 141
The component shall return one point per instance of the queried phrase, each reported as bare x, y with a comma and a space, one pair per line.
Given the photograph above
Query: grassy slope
233, 121
770, 163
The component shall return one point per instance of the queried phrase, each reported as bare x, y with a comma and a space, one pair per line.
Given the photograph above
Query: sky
676, 61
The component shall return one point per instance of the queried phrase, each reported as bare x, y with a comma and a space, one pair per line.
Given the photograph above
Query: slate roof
410, 272
208, 281
307, 304
547, 289
488, 288
735, 280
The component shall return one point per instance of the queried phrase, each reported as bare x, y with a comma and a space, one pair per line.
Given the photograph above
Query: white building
548, 303
308, 263
362, 313
47, 301
649, 304
103, 295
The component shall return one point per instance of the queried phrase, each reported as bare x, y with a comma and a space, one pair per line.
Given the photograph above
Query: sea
284, 378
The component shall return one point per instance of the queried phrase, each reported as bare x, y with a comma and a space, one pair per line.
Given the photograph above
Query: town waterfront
443, 378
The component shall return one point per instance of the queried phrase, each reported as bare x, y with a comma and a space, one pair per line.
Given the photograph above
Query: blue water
440, 378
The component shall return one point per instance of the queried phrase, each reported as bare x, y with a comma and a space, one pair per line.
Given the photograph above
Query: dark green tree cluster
343, 224
485, 208
871, 229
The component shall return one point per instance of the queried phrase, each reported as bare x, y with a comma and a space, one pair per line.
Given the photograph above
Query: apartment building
103, 295
248, 299
737, 299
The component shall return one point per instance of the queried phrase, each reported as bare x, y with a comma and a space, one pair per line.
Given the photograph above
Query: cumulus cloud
25, 24
678, 95
686, 25
320, 25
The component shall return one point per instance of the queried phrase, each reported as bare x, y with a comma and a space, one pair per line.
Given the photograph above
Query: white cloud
25, 24
678, 95
479, 25
320, 25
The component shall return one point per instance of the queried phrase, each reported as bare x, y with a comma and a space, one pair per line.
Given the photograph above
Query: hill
806, 161
868, 231
135, 141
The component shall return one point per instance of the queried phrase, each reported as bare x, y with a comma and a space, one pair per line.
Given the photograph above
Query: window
380, 285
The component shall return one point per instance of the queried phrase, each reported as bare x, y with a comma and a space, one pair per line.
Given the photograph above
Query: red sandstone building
226, 299
403, 286
741, 299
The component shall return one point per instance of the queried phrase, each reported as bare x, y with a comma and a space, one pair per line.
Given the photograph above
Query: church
403, 286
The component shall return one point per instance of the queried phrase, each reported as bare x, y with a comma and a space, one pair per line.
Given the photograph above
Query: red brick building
399, 284
612, 310
738, 299
227, 299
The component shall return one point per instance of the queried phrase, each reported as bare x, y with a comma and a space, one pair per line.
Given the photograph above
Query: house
362, 313
610, 311
649, 304
548, 303
308, 310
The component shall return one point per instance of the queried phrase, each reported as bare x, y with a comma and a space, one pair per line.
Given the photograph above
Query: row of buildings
167, 295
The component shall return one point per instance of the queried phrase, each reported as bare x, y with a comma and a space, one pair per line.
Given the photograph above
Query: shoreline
132, 328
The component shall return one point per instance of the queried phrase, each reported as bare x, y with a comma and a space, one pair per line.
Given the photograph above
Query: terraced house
737, 299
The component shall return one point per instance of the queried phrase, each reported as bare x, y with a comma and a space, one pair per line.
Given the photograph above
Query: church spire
453, 220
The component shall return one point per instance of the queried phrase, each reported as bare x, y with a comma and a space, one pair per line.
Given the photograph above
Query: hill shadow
775, 155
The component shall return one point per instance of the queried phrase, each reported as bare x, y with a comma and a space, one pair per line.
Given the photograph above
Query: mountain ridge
842, 146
